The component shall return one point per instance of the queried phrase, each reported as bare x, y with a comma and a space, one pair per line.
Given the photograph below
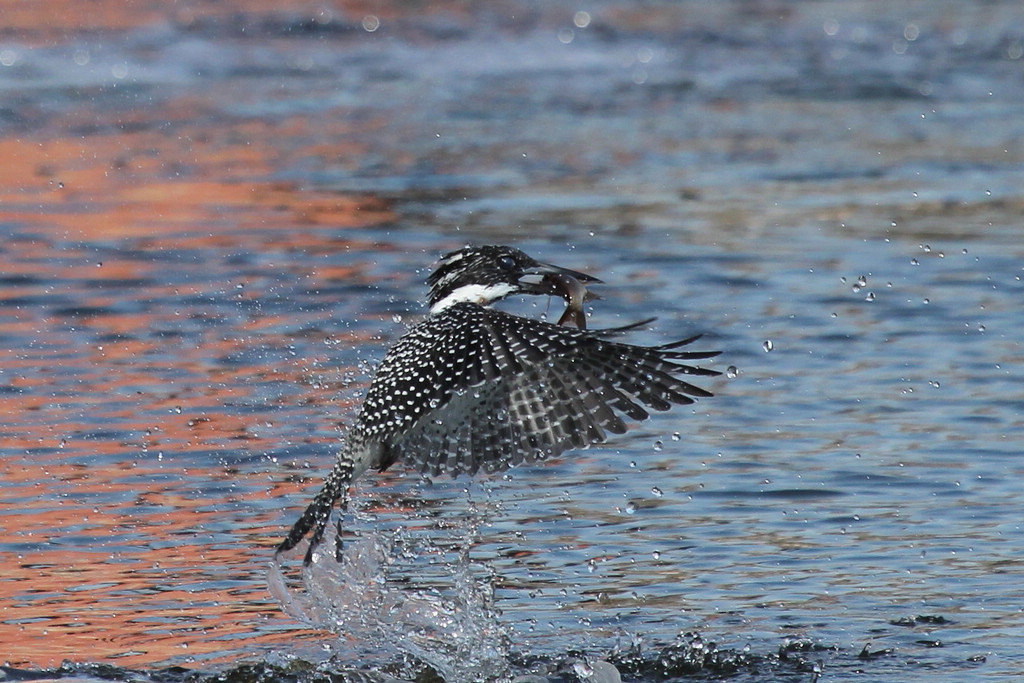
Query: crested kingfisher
472, 387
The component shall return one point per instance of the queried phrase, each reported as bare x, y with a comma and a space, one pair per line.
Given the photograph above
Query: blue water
830, 193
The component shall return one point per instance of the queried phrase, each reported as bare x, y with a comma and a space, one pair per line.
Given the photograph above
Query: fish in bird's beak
568, 284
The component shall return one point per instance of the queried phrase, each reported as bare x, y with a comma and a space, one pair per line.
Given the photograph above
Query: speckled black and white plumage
473, 388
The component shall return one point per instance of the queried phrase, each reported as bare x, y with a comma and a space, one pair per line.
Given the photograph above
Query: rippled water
216, 218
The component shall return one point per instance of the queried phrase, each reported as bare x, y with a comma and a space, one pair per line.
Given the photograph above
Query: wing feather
531, 390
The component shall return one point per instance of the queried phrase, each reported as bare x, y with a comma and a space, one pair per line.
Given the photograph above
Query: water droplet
656, 555
732, 372
676, 436
768, 345
659, 445
914, 262
630, 508
870, 296
657, 492
371, 23
397, 317
582, 669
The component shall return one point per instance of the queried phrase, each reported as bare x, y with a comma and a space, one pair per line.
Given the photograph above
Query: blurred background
216, 215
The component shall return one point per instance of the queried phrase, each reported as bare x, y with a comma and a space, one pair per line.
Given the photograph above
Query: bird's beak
544, 278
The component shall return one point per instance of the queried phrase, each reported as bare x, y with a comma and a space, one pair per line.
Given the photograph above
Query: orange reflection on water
95, 187
110, 599
55, 21
138, 503
113, 554
125, 545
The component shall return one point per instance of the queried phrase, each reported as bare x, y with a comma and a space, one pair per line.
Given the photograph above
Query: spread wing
531, 390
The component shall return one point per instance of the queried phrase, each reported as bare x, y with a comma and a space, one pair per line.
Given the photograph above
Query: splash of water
452, 625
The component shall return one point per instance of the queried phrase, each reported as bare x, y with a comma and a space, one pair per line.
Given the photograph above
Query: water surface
216, 221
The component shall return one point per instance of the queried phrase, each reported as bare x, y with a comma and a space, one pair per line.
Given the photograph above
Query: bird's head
485, 274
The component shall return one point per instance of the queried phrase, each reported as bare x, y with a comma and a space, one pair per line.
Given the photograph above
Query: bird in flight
474, 388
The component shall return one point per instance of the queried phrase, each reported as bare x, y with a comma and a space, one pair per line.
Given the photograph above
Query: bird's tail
316, 516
